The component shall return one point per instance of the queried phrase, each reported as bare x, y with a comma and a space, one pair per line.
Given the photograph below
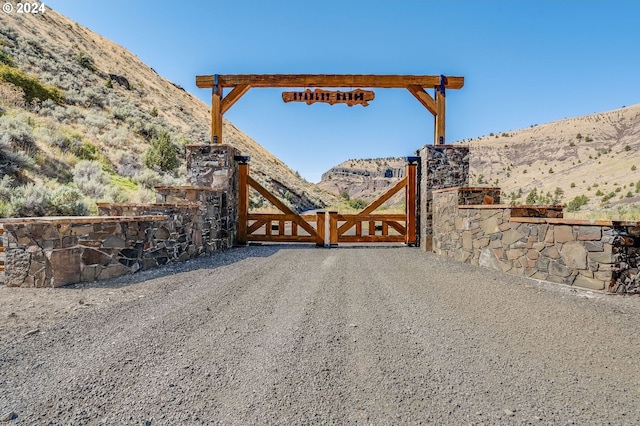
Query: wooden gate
369, 227
286, 226
363, 227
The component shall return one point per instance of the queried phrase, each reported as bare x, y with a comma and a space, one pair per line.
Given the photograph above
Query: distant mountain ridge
596, 157
365, 179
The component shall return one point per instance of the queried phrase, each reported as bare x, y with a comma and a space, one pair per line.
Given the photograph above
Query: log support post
216, 111
320, 223
411, 193
333, 228
439, 117
243, 199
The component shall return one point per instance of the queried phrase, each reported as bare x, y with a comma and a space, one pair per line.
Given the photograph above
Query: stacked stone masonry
187, 221
215, 167
442, 166
57, 251
542, 245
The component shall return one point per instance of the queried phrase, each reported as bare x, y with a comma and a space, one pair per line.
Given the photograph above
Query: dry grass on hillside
108, 107
595, 156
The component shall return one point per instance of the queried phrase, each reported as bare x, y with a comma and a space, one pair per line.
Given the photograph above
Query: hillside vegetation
593, 159
83, 120
589, 164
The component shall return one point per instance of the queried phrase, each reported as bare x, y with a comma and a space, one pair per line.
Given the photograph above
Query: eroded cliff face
364, 179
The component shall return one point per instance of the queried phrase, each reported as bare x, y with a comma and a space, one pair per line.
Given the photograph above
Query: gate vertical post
333, 228
320, 216
216, 112
243, 198
411, 192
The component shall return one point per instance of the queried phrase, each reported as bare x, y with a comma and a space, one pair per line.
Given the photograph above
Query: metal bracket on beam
443, 83
242, 159
412, 160
216, 87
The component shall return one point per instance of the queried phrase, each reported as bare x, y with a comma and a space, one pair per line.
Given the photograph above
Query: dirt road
299, 335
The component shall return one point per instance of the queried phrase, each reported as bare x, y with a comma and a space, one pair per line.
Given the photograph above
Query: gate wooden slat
255, 226
377, 203
395, 225
285, 238
280, 205
372, 239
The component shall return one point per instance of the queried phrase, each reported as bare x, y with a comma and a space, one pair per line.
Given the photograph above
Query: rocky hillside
76, 108
589, 163
595, 157
364, 179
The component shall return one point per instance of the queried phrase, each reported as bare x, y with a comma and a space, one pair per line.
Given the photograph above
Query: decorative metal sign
354, 97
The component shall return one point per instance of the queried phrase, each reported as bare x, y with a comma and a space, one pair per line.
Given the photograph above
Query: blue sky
524, 62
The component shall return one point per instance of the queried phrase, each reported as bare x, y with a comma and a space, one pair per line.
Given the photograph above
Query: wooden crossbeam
328, 80
425, 99
233, 96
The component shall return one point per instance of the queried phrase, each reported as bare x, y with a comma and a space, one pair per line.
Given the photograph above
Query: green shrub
162, 154
633, 168
575, 204
32, 87
607, 197
67, 201
6, 59
558, 195
32, 200
532, 197
17, 132
90, 179
357, 204
86, 61
148, 179
6, 188
12, 161
85, 151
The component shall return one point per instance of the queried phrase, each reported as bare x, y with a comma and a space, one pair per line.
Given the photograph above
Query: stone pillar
442, 166
215, 167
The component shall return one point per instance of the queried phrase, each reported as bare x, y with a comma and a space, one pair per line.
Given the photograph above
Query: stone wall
52, 252
442, 166
215, 167
626, 249
187, 221
595, 255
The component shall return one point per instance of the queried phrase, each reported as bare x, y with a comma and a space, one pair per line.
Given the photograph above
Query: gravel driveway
300, 335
